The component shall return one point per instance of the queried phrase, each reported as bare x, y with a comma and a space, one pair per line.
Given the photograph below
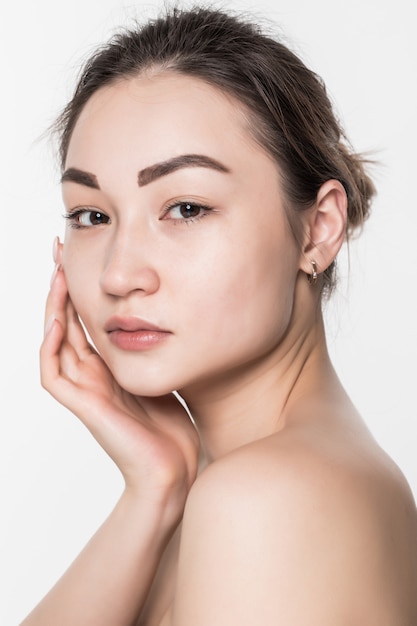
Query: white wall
56, 483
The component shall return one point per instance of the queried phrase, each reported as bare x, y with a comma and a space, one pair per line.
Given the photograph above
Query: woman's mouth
132, 333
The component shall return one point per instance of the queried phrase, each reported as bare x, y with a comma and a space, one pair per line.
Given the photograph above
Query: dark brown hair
291, 114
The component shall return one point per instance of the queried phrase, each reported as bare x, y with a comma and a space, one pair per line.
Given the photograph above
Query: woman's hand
152, 440
155, 445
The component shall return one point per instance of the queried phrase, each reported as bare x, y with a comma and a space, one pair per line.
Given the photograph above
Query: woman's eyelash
96, 218
189, 212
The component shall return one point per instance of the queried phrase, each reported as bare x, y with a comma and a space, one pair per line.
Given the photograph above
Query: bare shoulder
301, 529
308, 470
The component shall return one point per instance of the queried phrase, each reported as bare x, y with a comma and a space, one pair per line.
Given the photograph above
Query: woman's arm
155, 446
108, 582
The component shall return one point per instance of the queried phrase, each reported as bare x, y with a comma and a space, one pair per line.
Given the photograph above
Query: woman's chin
144, 388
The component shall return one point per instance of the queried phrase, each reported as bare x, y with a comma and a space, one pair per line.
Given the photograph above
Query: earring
312, 278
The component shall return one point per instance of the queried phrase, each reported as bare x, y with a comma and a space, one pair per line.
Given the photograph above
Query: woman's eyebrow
74, 175
151, 173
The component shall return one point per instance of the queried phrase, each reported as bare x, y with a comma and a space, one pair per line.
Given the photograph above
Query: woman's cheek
80, 288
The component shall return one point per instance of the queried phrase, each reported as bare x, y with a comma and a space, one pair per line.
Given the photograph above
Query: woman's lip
131, 324
137, 340
132, 333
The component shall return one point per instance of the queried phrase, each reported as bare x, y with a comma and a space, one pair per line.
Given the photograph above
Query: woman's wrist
163, 510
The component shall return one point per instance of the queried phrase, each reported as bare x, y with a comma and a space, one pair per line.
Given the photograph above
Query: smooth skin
274, 506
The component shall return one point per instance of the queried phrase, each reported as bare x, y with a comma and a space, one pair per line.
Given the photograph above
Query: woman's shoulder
316, 519
339, 478
337, 465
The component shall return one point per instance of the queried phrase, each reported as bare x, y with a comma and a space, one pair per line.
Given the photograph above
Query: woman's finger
50, 367
58, 356
56, 300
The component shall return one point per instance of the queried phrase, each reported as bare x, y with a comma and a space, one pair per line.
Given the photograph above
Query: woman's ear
325, 227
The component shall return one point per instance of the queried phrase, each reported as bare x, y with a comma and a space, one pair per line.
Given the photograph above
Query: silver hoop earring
312, 278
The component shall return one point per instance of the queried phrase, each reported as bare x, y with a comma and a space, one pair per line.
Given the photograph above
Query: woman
208, 190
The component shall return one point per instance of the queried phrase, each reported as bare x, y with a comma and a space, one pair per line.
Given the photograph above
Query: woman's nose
128, 267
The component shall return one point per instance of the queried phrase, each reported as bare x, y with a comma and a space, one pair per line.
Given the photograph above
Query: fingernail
54, 273
55, 249
49, 324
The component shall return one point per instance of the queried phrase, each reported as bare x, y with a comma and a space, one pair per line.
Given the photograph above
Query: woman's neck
258, 399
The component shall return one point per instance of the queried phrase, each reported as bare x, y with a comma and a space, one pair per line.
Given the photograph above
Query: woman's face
178, 255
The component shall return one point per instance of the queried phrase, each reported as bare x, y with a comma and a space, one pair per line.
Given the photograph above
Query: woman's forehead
164, 97
160, 117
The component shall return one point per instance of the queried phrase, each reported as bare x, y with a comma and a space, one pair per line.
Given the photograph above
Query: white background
57, 485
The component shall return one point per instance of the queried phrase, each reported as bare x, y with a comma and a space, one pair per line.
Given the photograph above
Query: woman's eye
86, 218
187, 211
92, 218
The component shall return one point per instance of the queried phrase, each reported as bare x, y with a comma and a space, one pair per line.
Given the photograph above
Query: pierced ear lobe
325, 228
